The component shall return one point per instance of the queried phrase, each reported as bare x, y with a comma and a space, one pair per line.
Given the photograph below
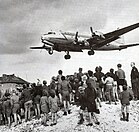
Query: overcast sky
22, 22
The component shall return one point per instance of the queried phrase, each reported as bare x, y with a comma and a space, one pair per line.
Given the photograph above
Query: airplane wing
111, 36
41, 47
37, 47
128, 45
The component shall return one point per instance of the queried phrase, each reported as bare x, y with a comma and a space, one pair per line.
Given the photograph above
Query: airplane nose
44, 37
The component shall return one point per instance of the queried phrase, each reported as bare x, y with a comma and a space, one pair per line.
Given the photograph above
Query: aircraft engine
100, 34
86, 43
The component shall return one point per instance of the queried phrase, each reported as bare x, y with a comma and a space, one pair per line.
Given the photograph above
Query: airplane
73, 42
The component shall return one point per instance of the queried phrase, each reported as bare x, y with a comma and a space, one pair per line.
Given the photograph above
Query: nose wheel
67, 56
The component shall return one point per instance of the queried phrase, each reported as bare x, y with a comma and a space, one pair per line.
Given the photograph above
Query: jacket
125, 97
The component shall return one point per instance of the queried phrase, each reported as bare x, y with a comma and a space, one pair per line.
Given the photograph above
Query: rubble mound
109, 118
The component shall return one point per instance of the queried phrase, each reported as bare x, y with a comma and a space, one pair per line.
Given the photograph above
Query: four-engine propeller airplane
73, 42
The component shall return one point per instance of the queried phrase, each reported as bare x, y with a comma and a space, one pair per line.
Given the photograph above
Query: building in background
10, 82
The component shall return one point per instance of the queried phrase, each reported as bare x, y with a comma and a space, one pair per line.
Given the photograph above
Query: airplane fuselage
73, 42
62, 43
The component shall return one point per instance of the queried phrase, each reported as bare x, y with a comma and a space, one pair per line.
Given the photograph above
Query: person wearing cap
135, 81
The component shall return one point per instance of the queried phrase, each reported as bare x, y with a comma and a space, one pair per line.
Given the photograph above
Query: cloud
23, 22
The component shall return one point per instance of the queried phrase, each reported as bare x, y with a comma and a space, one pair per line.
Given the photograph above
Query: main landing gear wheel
67, 57
91, 52
50, 52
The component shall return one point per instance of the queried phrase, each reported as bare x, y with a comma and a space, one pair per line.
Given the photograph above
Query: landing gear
91, 52
50, 51
67, 56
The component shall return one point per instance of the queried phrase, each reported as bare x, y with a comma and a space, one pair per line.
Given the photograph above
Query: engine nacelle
86, 43
100, 34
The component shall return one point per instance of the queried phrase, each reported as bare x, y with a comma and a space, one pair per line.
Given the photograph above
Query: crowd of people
84, 89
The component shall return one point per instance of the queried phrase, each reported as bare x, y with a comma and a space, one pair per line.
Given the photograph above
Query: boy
53, 105
125, 97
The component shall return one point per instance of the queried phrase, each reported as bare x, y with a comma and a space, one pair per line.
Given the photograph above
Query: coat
53, 104
44, 104
125, 97
88, 99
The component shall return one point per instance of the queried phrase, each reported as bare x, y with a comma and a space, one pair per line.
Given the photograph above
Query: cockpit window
51, 33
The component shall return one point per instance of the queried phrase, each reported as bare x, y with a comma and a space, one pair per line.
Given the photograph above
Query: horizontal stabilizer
36, 47
128, 45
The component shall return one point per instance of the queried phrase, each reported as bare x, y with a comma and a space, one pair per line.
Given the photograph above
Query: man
135, 80
80, 74
65, 90
121, 77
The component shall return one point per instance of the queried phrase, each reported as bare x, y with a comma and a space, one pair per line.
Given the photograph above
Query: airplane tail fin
120, 40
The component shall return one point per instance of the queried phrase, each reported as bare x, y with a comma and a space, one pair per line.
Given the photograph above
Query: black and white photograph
69, 66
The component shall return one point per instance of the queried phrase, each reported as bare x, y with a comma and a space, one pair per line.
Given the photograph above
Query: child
1, 117
7, 106
53, 105
44, 103
109, 87
87, 98
98, 101
15, 107
125, 97
82, 102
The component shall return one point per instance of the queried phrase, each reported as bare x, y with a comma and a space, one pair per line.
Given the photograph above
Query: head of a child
14, 92
44, 93
81, 90
63, 78
52, 94
108, 74
7, 95
124, 87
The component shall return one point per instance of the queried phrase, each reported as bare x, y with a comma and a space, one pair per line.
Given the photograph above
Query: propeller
92, 32
76, 37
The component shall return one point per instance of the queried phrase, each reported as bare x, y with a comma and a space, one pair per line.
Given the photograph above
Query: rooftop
12, 79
